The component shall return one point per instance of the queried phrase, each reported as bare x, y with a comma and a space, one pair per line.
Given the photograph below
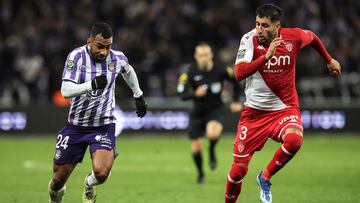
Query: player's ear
88, 41
278, 25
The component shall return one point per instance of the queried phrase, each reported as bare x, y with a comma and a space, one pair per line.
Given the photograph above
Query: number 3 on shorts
243, 131
62, 142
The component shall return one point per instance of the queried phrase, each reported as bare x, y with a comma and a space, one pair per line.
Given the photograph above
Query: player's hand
201, 91
334, 67
272, 47
141, 106
99, 82
236, 107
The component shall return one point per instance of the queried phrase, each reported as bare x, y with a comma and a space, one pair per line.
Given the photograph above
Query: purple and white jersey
93, 108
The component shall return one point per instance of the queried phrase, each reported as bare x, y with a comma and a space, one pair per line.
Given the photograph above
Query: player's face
99, 47
203, 56
266, 30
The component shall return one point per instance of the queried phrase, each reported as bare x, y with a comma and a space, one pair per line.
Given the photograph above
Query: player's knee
57, 183
293, 142
237, 173
101, 174
196, 146
213, 129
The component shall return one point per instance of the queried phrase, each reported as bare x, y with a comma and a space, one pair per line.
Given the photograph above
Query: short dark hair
274, 13
101, 28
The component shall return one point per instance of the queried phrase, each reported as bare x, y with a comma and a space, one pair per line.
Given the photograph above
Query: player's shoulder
249, 35
118, 54
291, 32
76, 53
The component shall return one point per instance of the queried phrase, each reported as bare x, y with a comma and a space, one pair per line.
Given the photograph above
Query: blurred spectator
158, 36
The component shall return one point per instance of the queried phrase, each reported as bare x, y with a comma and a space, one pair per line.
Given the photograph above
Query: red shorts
256, 126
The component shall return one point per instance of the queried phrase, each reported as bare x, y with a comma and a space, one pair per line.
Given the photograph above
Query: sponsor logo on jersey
291, 119
277, 61
103, 139
260, 47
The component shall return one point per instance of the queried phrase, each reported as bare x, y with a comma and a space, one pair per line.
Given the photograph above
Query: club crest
288, 46
111, 67
241, 147
57, 154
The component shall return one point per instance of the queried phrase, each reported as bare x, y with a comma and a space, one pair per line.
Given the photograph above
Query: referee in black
203, 83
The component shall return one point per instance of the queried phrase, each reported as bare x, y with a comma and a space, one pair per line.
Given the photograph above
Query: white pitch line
28, 164
32, 165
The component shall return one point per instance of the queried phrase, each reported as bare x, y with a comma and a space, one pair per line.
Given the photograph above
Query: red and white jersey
272, 87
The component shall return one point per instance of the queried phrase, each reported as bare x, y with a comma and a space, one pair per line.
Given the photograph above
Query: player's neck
209, 66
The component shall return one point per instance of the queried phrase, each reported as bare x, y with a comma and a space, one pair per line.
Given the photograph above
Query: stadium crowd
159, 36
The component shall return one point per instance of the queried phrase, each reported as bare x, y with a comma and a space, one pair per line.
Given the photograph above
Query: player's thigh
69, 146
103, 159
196, 128
213, 128
102, 146
215, 119
289, 121
251, 136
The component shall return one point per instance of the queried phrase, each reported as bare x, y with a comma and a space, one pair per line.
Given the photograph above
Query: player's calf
57, 182
56, 195
101, 175
91, 180
234, 182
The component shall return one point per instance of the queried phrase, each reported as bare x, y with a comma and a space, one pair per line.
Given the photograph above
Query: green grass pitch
159, 169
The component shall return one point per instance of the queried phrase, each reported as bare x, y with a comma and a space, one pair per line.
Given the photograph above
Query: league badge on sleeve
241, 53
70, 65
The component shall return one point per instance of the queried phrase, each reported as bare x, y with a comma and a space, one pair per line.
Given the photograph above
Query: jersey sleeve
124, 64
246, 50
71, 70
306, 37
184, 87
309, 38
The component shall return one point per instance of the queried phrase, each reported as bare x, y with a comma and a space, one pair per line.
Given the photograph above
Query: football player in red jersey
267, 59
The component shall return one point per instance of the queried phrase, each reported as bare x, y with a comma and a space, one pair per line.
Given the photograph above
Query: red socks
234, 182
288, 149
